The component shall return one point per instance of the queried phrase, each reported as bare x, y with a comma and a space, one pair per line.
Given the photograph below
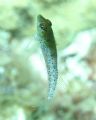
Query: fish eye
42, 26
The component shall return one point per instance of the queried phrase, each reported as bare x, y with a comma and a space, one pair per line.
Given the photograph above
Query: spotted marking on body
47, 42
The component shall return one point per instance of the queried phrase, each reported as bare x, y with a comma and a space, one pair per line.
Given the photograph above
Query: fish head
43, 26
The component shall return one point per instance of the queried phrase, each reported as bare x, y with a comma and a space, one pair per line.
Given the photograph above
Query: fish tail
52, 87
51, 93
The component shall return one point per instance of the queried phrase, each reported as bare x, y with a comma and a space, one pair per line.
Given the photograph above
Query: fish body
47, 42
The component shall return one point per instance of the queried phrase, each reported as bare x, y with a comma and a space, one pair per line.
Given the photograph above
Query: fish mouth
40, 18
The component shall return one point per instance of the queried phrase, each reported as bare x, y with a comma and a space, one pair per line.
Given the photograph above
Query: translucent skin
48, 46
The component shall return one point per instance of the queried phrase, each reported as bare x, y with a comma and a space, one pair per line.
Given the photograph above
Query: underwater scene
47, 59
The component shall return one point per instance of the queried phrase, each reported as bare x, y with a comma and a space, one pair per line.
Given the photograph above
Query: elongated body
48, 46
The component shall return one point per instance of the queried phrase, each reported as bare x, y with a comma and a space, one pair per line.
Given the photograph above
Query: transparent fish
47, 42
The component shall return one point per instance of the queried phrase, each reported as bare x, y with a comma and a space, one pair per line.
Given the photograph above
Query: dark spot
49, 22
43, 26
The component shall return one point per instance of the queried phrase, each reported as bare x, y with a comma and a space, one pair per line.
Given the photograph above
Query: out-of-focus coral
23, 74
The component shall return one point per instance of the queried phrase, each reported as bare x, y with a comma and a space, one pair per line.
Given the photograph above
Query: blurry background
23, 76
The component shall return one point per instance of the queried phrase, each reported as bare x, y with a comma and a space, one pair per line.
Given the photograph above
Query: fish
47, 42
